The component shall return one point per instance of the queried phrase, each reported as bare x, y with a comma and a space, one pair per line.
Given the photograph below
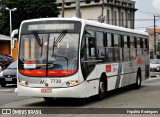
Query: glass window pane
109, 40
99, 37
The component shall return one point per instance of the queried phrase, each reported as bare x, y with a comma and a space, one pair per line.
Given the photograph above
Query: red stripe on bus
33, 72
50, 72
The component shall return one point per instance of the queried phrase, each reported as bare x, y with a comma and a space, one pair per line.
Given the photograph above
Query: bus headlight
23, 83
71, 83
74, 82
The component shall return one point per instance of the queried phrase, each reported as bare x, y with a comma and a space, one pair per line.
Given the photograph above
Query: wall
5, 47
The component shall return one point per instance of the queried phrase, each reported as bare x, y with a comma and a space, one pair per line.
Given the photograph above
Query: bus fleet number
55, 80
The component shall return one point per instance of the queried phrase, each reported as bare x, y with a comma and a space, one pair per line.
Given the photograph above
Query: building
5, 46
114, 12
152, 41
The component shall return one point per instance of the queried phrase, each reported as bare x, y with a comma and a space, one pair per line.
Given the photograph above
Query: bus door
88, 53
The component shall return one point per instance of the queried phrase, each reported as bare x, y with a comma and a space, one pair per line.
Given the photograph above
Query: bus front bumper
78, 91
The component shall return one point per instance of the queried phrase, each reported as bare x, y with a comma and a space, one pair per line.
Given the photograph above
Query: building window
122, 18
60, 4
68, 4
88, 2
124, 4
108, 16
115, 18
129, 17
97, 1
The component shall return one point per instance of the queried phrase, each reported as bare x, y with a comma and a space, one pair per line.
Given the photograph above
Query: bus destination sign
34, 27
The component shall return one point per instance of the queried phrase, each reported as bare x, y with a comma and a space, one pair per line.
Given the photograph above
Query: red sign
139, 61
108, 68
46, 90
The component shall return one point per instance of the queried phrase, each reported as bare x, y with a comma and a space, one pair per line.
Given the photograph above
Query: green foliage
26, 9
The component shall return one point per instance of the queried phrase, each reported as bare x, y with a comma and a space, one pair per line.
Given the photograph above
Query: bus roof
92, 23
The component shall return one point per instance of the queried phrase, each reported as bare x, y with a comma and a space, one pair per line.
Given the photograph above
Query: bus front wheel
102, 90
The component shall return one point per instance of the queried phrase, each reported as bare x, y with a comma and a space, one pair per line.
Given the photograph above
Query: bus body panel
118, 74
74, 92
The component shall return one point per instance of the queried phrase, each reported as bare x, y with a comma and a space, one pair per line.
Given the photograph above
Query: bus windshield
52, 54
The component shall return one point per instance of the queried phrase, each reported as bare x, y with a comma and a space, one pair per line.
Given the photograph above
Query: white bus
77, 58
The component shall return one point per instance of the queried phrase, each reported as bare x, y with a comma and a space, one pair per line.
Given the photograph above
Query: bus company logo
43, 81
6, 111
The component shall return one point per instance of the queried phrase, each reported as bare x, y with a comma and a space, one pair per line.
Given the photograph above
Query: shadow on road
72, 102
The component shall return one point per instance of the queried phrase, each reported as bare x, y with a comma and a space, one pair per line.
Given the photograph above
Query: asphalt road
8, 95
125, 98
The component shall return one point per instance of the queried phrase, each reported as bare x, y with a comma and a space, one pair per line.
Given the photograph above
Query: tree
26, 9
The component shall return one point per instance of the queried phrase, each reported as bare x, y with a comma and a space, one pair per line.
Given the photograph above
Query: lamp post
10, 17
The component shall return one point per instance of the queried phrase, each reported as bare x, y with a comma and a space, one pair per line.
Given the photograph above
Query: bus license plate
8, 79
46, 90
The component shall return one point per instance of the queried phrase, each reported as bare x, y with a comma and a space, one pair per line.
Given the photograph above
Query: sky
145, 14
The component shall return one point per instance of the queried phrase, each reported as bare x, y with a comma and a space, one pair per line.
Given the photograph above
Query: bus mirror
14, 33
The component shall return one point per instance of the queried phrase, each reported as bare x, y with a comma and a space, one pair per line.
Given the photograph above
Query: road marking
7, 90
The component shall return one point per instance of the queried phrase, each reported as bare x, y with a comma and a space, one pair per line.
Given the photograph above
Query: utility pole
154, 36
62, 8
155, 42
78, 12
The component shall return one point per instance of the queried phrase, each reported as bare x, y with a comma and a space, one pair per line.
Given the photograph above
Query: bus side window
133, 53
126, 49
117, 47
109, 50
141, 43
100, 46
135, 42
90, 43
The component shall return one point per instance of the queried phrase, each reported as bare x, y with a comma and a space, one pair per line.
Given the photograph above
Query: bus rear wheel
137, 85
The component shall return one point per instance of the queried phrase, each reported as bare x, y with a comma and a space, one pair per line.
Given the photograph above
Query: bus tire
137, 85
102, 89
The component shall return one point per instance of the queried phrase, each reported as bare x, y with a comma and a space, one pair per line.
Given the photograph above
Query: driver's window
90, 43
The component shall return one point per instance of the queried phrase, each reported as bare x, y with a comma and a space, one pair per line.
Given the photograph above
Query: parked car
151, 60
9, 75
155, 65
5, 60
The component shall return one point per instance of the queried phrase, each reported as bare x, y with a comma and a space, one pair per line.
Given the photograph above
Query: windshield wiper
55, 44
60, 38
40, 43
37, 39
